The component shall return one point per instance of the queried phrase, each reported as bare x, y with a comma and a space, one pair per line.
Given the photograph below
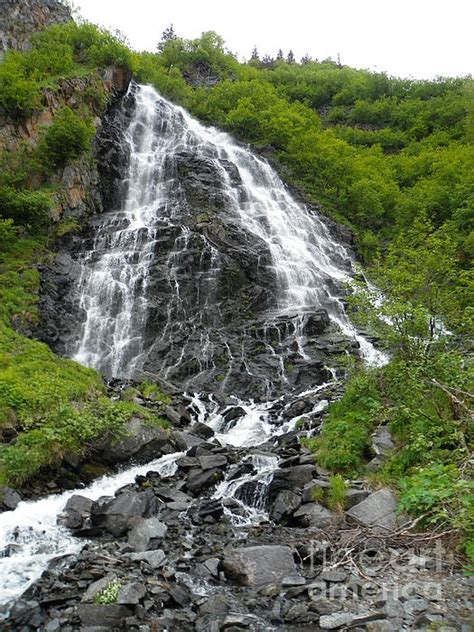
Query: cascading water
117, 293
30, 537
158, 284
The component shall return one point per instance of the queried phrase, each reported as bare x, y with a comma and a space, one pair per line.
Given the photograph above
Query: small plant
318, 495
337, 493
110, 593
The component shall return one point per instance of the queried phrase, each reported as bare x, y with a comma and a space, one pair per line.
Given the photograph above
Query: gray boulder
143, 442
378, 510
131, 593
155, 558
198, 480
259, 565
382, 441
147, 534
117, 514
286, 503
293, 478
9, 499
315, 515
78, 508
213, 461
110, 616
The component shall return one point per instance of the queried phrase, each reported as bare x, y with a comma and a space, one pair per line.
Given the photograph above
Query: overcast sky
417, 38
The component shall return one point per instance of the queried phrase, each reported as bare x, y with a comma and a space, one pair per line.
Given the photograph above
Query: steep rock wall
20, 19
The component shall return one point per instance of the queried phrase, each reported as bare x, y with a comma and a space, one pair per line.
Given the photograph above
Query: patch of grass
66, 227
150, 390
19, 278
337, 493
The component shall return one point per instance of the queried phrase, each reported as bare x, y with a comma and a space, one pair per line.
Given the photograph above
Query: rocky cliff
212, 321
19, 20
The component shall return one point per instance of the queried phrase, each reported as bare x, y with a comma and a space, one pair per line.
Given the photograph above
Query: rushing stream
302, 257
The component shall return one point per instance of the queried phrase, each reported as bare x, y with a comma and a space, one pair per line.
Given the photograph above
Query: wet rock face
19, 19
211, 317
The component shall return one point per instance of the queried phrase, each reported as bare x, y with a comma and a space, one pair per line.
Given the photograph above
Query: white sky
417, 38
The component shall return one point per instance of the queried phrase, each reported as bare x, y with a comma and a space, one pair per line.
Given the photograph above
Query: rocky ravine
166, 552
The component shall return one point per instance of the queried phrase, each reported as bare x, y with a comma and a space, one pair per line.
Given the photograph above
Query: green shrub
149, 390
25, 207
345, 440
19, 95
88, 44
68, 137
441, 495
8, 232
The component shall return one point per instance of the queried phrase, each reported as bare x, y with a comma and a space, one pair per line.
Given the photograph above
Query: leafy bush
25, 207
149, 390
7, 232
67, 137
87, 44
344, 443
19, 95
441, 494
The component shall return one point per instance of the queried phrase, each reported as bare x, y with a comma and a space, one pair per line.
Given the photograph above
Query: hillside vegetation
392, 158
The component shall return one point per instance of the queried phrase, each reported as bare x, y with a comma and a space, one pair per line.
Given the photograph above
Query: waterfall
155, 283
116, 289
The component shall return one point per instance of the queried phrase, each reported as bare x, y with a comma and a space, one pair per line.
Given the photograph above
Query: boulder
117, 514
147, 534
97, 587
201, 430
213, 461
286, 503
155, 558
77, 510
199, 480
315, 515
336, 620
131, 593
354, 497
143, 442
259, 565
108, 616
377, 510
9, 499
290, 478
382, 442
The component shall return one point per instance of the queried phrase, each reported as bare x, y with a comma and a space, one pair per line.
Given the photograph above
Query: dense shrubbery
55, 405
58, 52
25, 207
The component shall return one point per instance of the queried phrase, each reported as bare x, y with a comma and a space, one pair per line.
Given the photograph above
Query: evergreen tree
268, 62
167, 35
254, 56
279, 56
290, 57
306, 59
